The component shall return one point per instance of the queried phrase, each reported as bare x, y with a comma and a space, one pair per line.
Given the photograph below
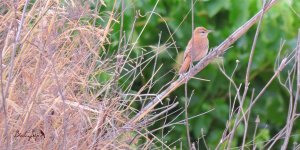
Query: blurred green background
280, 23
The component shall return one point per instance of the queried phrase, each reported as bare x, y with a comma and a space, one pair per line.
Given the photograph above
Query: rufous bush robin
196, 49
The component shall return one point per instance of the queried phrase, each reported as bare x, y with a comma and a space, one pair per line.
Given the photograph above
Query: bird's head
201, 31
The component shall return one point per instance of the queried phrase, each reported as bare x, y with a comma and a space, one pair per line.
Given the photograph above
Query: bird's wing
185, 65
188, 49
186, 59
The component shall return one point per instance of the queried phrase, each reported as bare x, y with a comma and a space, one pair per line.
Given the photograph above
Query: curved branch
200, 65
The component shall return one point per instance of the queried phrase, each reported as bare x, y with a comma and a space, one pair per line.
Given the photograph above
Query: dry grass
50, 77
60, 89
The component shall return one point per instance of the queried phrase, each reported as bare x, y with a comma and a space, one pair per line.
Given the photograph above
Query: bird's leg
210, 50
187, 74
192, 65
184, 75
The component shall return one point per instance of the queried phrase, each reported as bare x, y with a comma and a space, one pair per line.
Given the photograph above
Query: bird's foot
184, 76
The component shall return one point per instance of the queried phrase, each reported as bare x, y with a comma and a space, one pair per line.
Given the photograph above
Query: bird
196, 49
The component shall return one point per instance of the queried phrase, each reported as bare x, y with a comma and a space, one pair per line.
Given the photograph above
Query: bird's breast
199, 49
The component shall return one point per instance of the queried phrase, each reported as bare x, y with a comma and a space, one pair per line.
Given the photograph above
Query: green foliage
224, 17
263, 135
103, 77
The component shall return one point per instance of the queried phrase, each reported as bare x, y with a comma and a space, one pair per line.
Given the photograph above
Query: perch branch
200, 65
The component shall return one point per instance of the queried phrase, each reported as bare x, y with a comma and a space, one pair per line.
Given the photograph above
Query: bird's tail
185, 65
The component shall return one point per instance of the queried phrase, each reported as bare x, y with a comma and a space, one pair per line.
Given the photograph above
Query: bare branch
200, 65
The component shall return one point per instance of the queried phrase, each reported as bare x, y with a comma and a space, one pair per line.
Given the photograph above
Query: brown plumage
196, 49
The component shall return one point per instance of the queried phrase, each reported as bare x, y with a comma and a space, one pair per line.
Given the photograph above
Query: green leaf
103, 77
214, 6
202, 124
239, 12
262, 136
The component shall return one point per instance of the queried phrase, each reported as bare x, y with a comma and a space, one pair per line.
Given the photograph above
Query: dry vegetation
59, 85
50, 89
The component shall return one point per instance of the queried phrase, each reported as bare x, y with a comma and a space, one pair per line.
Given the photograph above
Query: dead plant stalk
199, 66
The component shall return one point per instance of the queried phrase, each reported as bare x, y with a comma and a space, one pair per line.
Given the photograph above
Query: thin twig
60, 91
186, 116
247, 78
16, 46
257, 121
186, 88
293, 107
199, 66
281, 66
